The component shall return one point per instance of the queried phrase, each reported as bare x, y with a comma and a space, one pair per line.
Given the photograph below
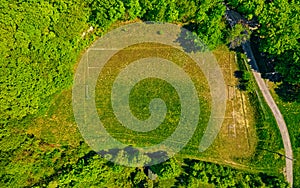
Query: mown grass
58, 127
236, 141
145, 91
239, 151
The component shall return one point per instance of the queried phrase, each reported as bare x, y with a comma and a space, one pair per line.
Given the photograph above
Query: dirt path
233, 18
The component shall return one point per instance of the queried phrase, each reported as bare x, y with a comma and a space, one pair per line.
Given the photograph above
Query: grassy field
236, 144
146, 90
237, 138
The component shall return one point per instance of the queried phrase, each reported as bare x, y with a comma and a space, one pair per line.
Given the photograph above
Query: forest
41, 42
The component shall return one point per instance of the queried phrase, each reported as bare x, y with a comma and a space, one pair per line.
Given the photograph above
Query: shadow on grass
288, 92
238, 74
131, 152
189, 40
245, 83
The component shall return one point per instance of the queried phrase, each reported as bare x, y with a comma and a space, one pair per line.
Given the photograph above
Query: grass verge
291, 114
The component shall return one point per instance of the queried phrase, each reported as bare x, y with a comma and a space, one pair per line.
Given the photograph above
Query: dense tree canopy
39, 45
202, 17
167, 170
202, 173
279, 32
289, 65
41, 40
106, 12
133, 9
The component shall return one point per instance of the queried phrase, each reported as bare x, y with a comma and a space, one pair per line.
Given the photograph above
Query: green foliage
159, 10
186, 10
288, 66
280, 35
210, 25
291, 113
203, 17
246, 76
249, 8
279, 26
167, 170
204, 173
246, 80
105, 12
31, 160
279, 32
40, 42
238, 35
269, 147
133, 9
39, 45
94, 171
128, 158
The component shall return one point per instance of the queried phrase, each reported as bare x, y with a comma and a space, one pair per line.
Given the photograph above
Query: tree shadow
159, 155
243, 83
189, 41
133, 152
238, 74
273, 77
288, 92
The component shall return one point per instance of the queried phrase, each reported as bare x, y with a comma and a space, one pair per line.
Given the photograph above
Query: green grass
259, 118
269, 152
145, 91
58, 127
291, 114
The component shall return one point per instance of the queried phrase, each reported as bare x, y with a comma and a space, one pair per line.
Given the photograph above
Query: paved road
233, 18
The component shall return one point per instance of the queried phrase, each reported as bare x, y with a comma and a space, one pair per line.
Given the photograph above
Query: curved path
233, 18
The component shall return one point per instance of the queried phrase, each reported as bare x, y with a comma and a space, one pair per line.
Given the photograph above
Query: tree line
42, 40
278, 33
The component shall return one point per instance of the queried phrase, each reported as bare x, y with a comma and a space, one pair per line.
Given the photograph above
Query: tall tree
105, 12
